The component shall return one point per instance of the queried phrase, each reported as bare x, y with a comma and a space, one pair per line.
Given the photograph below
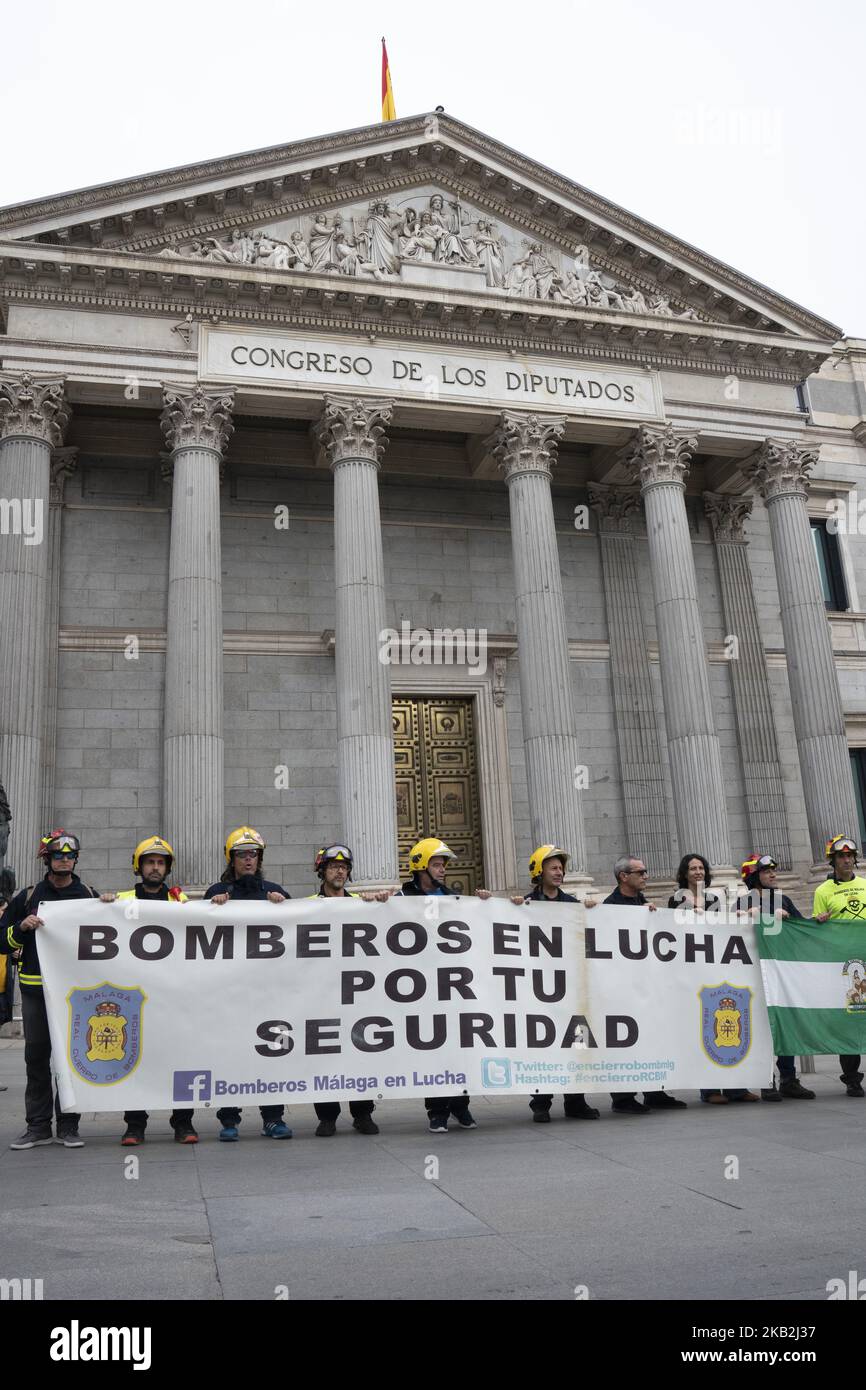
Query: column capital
353, 428
780, 468
526, 443
658, 454
197, 419
617, 507
64, 462
34, 407
727, 513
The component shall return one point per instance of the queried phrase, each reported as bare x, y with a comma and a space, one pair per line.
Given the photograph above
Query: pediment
422, 202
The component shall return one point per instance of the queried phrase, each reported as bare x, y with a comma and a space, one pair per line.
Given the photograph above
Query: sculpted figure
321, 239
422, 244
634, 302
299, 252
454, 246
489, 250
380, 243
351, 260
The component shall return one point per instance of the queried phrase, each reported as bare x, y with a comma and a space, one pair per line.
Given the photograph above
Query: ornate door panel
437, 783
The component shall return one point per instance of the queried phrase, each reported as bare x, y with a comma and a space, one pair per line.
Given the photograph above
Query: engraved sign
305, 363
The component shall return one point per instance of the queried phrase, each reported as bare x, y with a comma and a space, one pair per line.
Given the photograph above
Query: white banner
195, 1005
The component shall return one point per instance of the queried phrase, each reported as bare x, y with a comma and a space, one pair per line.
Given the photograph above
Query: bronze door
437, 784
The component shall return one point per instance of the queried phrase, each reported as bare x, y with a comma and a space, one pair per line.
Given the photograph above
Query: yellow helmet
839, 843
242, 837
154, 844
425, 850
536, 861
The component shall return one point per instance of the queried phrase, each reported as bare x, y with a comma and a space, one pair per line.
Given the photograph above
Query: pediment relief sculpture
434, 232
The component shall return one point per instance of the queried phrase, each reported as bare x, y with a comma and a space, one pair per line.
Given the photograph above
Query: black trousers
232, 1116
571, 1101
330, 1109
39, 1097
139, 1118
446, 1105
851, 1073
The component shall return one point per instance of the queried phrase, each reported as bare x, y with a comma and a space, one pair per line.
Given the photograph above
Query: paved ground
628, 1207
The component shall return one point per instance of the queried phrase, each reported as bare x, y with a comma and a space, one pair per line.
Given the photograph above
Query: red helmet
58, 842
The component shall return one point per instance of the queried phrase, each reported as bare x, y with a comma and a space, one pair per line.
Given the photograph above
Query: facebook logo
192, 1085
495, 1071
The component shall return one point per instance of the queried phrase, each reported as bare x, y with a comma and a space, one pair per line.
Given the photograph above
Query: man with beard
152, 861
59, 851
242, 880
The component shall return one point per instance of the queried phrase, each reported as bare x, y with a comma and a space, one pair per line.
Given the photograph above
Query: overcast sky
738, 126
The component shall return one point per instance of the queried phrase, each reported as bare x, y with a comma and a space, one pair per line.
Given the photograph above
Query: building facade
389, 483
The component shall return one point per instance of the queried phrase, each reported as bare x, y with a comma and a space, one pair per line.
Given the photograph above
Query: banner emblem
105, 1032
726, 1023
854, 973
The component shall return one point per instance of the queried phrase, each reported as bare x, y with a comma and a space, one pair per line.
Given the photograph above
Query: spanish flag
388, 111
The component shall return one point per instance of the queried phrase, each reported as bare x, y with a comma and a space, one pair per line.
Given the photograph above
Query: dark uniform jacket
250, 886
21, 906
412, 890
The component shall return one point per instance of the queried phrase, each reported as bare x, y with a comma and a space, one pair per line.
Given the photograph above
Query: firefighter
546, 871
152, 861
842, 898
333, 865
242, 879
59, 852
428, 860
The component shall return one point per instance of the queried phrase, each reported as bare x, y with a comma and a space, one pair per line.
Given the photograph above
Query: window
830, 567
858, 772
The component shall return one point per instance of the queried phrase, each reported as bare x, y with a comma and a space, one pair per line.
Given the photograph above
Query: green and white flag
815, 984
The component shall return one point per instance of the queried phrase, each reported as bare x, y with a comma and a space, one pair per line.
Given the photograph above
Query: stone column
780, 471
659, 460
525, 446
643, 784
33, 416
197, 426
63, 463
756, 729
352, 435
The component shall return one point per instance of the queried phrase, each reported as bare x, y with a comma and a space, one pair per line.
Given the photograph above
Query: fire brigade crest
105, 1032
726, 1023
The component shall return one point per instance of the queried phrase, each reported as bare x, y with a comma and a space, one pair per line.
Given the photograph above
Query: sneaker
438, 1124
276, 1129
325, 1129
33, 1137
465, 1120
660, 1100
134, 1135
365, 1124
184, 1133
541, 1117
793, 1090
854, 1089
629, 1107
69, 1137
581, 1112
229, 1134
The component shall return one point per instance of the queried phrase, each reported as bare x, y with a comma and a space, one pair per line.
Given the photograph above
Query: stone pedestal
780, 470
643, 783
33, 416
352, 435
756, 729
197, 426
525, 447
659, 460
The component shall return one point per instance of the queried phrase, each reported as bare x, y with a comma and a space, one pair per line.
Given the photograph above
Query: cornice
121, 281
442, 141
